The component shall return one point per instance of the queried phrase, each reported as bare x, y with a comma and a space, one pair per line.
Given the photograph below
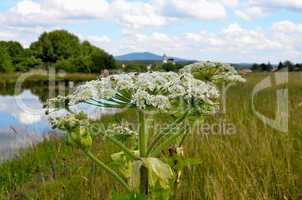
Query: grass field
257, 162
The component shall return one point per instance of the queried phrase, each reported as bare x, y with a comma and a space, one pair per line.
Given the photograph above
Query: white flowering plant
213, 72
149, 167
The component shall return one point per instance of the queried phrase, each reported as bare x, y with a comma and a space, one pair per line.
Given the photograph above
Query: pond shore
40, 76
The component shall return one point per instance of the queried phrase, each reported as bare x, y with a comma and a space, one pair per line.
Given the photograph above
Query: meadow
254, 162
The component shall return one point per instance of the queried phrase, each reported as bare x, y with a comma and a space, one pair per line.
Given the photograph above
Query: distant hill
137, 56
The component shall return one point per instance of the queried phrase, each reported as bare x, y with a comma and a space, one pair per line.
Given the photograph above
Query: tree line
287, 65
59, 49
143, 66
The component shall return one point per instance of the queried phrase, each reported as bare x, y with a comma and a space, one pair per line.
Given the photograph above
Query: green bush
171, 67
5, 61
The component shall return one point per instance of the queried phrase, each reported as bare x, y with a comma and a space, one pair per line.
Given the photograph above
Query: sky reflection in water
22, 122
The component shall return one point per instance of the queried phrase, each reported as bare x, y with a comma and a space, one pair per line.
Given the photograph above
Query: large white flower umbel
152, 90
193, 90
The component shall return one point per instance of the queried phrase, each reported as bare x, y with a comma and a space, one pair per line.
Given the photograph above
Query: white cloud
28, 18
7, 35
287, 4
252, 12
287, 27
102, 41
25, 35
237, 37
133, 14
198, 9
27, 7
136, 14
231, 44
234, 40
99, 39
79, 8
230, 2
95, 39
289, 34
50, 12
258, 8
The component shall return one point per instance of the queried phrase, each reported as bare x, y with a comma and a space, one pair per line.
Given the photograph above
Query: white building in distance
166, 60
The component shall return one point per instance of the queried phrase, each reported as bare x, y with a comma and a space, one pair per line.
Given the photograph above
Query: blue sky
218, 30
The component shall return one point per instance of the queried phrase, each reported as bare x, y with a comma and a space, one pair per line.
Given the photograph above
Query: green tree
289, 65
101, 60
5, 61
267, 67
59, 48
299, 67
171, 67
281, 66
255, 67
14, 50
262, 67
90, 59
56, 45
96, 58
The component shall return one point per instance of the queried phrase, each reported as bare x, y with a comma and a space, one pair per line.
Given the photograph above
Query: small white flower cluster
213, 72
157, 90
190, 88
59, 101
69, 122
142, 99
77, 128
121, 129
229, 78
92, 89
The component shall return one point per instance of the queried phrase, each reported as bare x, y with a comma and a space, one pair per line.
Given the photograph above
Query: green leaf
122, 156
118, 156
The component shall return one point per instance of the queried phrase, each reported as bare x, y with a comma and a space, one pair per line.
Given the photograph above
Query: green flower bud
86, 142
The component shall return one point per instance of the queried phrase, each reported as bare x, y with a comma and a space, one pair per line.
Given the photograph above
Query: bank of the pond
8, 78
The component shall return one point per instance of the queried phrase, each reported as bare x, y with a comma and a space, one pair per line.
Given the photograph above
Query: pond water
22, 122
22, 118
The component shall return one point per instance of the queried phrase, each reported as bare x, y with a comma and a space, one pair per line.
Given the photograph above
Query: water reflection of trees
39, 88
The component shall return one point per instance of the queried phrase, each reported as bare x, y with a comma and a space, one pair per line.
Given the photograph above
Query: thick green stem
108, 170
123, 147
144, 182
142, 134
